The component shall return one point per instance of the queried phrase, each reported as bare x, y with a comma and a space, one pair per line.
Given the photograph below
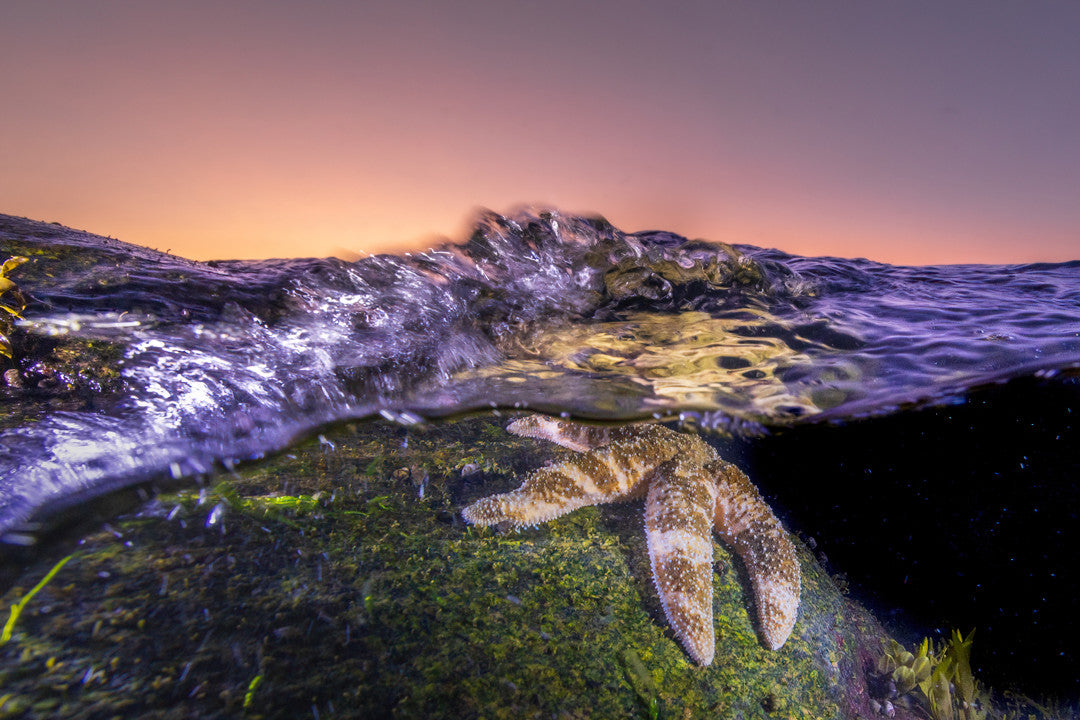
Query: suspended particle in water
215, 515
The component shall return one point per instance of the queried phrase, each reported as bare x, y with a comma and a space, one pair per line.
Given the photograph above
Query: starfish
689, 490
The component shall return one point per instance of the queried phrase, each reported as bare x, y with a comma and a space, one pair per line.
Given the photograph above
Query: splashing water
140, 365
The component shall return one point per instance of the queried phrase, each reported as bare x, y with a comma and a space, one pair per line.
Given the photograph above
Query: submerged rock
324, 582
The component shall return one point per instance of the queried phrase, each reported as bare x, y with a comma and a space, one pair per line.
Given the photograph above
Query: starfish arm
678, 521
747, 524
591, 478
610, 473
571, 435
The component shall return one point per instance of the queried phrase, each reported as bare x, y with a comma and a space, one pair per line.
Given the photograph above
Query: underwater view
554, 470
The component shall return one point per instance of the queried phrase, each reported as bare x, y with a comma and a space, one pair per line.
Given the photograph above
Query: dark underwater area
913, 426
957, 516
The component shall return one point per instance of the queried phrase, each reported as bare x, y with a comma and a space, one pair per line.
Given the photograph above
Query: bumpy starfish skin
689, 490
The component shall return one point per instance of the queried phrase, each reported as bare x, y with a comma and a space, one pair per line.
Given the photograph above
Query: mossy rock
337, 580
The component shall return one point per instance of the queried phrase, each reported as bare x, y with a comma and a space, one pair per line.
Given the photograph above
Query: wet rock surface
338, 580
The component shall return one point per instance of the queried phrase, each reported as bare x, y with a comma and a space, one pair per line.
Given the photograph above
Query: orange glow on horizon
352, 237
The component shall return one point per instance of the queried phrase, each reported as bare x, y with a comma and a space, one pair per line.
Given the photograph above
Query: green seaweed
642, 682
17, 608
251, 688
941, 676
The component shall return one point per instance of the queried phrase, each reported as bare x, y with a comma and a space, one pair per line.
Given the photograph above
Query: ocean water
916, 422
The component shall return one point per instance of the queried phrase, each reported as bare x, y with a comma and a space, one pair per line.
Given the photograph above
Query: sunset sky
914, 132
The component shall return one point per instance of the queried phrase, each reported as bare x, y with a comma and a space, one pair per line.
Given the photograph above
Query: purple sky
912, 132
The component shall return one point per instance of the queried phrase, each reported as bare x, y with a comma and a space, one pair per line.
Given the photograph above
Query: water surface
217, 363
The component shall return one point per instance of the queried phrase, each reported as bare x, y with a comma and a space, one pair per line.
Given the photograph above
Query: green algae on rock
338, 579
